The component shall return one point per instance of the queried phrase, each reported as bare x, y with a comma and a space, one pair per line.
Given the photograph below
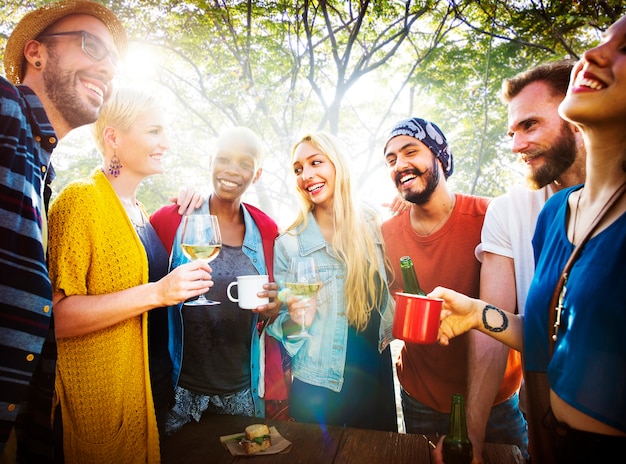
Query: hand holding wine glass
201, 240
303, 280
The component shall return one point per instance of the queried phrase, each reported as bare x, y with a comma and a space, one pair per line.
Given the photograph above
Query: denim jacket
253, 249
320, 359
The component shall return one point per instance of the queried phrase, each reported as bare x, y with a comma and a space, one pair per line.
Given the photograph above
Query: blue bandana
430, 135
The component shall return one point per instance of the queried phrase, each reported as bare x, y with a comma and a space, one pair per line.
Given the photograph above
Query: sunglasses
91, 45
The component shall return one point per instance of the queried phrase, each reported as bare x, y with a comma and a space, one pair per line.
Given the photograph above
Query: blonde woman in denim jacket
343, 373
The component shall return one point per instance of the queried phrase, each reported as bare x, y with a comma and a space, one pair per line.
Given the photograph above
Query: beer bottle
457, 448
411, 284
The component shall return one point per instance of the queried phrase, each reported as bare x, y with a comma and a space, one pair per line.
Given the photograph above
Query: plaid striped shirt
26, 143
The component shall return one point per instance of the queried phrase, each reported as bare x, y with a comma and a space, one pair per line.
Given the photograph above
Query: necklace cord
556, 303
446, 216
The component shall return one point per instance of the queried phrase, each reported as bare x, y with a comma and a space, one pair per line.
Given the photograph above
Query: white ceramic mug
247, 288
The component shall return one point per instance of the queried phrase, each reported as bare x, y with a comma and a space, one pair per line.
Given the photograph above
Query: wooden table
311, 443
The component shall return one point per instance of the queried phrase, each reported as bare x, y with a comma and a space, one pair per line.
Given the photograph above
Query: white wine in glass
303, 280
203, 252
201, 240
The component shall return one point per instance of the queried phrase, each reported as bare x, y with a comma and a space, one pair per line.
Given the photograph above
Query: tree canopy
351, 68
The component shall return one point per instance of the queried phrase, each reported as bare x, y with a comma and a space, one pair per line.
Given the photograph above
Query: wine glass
201, 240
303, 280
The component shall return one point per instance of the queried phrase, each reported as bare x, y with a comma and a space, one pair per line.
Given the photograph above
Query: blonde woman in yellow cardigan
108, 271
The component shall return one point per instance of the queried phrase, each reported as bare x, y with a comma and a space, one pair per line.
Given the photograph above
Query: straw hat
35, 22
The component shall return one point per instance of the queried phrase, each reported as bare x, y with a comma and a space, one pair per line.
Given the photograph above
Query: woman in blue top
586, 373
343, 373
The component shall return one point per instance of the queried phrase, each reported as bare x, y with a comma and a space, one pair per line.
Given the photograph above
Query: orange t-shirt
432, 373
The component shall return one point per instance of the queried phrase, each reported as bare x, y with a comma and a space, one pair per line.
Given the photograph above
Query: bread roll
257, 438
257, 430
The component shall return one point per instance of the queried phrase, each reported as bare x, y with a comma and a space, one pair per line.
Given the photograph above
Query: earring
37, 64
115, 166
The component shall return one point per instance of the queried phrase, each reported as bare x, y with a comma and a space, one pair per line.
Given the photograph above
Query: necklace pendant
559, 310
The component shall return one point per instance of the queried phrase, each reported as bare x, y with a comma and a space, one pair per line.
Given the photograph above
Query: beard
431, 177
558, 158
62, 92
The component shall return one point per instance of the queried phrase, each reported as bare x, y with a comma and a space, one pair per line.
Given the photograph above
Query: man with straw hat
59, 61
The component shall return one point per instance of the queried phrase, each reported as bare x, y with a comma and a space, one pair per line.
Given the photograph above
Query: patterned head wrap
430, 135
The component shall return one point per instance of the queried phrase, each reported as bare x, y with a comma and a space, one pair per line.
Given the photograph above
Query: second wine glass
303, 280
201, 240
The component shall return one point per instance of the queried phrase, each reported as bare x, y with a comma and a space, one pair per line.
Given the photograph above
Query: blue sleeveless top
588, 366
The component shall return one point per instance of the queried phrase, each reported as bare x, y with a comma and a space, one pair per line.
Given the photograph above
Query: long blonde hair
355, 233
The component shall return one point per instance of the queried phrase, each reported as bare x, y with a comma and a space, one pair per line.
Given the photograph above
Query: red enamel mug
417, 318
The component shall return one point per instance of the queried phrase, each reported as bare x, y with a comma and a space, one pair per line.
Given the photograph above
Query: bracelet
505, 320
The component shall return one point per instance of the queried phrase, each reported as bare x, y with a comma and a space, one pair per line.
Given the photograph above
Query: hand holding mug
248, 288
417, 317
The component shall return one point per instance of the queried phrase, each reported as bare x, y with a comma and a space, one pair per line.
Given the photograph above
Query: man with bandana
554, 155
440, 232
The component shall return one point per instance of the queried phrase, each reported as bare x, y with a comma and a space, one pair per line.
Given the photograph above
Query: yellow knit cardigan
103, 381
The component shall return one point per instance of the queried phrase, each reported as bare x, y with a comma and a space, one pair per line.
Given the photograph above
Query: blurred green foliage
349, 67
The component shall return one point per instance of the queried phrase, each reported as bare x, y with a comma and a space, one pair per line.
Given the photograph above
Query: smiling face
236, 163
75, 83
233, 170
413, 168
545, 143
597, 92
315, 175
142, 146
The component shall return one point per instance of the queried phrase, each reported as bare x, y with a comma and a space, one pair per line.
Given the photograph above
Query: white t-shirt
508, 231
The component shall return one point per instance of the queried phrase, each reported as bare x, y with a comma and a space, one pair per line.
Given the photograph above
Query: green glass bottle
457, 448
411, 284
